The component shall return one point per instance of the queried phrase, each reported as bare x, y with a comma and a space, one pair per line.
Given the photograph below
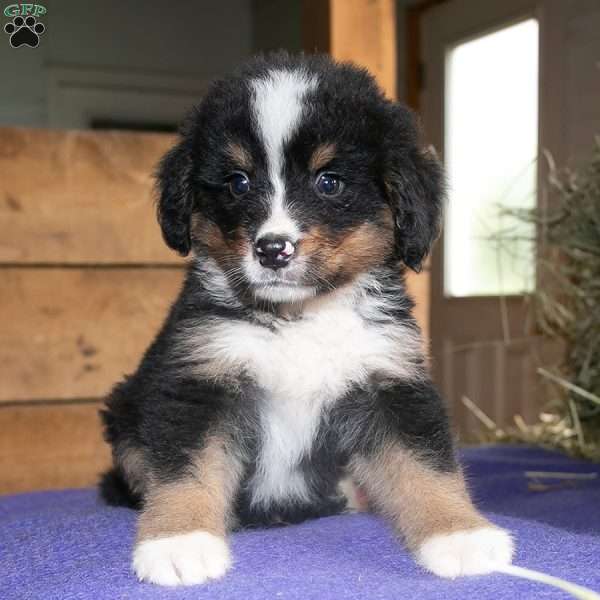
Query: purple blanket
66, 545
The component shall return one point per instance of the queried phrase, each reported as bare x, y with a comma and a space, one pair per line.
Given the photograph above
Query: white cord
577, 591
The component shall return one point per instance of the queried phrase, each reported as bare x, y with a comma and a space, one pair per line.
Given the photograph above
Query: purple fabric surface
66, 545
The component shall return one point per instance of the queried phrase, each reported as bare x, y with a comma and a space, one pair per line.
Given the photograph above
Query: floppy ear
176, 198
415, 183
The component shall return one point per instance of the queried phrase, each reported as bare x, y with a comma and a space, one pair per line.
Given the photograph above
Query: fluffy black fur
165, 411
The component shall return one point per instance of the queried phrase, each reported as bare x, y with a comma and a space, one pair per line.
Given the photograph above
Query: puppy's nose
274, 252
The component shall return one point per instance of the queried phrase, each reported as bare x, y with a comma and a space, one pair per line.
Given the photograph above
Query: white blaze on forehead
278, 103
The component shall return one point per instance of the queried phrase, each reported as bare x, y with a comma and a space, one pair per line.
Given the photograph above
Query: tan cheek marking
365, 247
239, 155
316, 243
323, 155
419, 501
352, 253
203, 500
225, 251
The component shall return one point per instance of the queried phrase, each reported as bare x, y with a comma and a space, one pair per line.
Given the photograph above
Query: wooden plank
50, 447
80, 197
419, 288
364, 32
72, 333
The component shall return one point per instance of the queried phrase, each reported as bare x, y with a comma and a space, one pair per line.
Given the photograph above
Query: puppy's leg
182, 527
413, 479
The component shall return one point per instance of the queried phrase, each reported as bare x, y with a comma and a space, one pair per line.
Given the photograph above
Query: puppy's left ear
176, 199
415, 183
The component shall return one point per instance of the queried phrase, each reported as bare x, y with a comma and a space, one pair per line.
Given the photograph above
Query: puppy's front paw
185, 559
468, 552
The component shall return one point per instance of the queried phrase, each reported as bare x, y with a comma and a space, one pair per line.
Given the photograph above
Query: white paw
185, 559
469, 552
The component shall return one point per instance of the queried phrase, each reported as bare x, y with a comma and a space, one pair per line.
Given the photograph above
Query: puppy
290, 361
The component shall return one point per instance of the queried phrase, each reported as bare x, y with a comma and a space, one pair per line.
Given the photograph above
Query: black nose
274, 252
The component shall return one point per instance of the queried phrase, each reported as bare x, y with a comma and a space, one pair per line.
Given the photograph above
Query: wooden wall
85, 281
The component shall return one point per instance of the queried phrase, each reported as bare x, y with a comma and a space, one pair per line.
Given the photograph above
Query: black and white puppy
290, 364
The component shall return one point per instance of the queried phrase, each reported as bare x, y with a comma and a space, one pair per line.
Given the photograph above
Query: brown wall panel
50, 447
79, 197
71, 333
375, 45
418, 288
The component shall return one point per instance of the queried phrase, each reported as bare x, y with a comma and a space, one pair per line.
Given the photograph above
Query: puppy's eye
329, 184
239, 184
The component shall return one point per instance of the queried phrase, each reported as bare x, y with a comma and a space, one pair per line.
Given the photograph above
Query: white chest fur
303, 366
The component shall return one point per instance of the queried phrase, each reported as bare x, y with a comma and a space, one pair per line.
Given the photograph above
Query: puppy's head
295, 176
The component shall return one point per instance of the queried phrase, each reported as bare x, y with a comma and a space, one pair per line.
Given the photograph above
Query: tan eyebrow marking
239, 155
321, 156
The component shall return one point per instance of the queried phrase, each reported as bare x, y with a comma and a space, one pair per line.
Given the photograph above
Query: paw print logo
24, 32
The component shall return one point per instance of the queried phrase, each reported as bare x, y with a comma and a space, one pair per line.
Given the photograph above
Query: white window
491, 146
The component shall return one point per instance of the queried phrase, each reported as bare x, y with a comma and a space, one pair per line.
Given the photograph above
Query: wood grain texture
50, 447
364, 32
80, 197
419, 288
72, 333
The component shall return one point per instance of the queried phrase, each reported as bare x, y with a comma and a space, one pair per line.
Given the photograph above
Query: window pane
490, 151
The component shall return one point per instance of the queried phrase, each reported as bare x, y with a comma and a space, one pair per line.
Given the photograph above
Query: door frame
454, 21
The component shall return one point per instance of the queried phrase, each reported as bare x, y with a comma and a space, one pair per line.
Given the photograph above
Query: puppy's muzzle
274, 252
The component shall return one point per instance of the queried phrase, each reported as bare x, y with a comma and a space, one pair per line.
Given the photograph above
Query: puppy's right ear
176, 199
